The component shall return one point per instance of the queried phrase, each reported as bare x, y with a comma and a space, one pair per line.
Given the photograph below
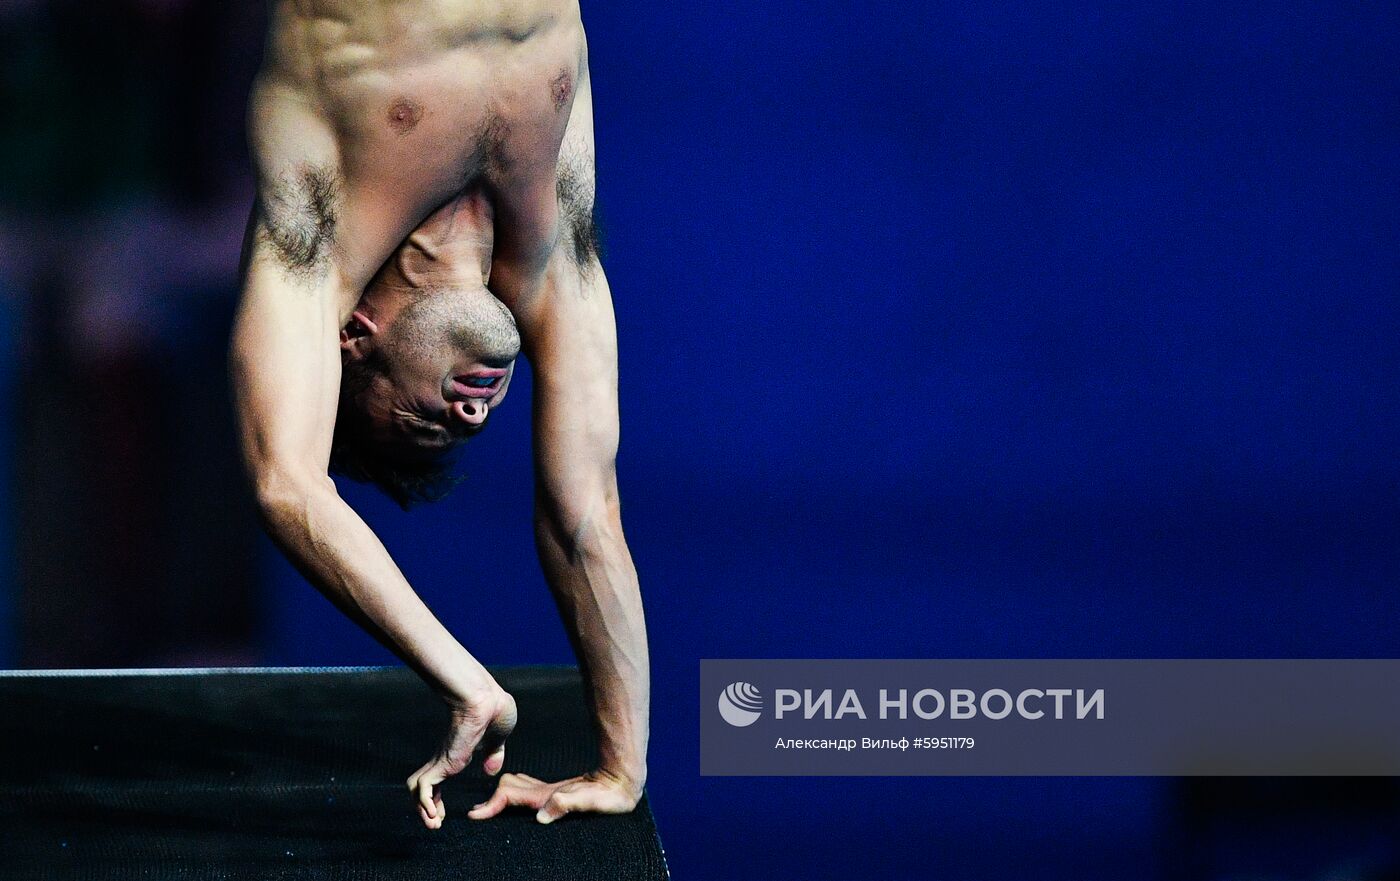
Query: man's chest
489, 115
473, 122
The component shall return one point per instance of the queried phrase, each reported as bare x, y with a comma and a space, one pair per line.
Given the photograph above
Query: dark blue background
965, 330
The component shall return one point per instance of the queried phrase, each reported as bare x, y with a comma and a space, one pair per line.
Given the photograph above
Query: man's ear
357, 336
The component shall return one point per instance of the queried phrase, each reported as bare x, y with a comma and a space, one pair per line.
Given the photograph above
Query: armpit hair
580, 231
299, 216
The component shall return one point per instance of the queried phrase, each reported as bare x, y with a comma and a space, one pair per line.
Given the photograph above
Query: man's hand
599, 792
481, 725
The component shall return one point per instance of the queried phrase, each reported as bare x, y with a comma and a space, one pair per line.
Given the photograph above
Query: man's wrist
631, 780
628, 768
466, 683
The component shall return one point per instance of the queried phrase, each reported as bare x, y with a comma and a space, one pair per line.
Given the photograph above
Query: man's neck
453, 247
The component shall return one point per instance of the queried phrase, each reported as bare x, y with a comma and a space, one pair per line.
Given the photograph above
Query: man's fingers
552, 800
585, 797
513, 790
492, 806
432, 822
495, 760
426, 786
428, 800
493, 740
425, 797
558, 804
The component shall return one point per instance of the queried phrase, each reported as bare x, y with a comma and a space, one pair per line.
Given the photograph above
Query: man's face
440, 366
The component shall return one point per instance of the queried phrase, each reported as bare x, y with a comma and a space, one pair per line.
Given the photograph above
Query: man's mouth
481, 383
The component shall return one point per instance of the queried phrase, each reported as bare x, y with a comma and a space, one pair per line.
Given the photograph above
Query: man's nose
472, 411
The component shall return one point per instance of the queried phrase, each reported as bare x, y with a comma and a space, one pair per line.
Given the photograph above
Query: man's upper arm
285, 367
284, 362
310, 248
570, 338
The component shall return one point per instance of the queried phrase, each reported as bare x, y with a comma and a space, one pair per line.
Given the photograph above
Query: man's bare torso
415, 106
392, 141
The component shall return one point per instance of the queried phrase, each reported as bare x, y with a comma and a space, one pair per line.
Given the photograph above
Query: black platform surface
285, 775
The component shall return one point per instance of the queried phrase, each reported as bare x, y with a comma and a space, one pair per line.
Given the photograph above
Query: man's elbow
284, 494
584, 523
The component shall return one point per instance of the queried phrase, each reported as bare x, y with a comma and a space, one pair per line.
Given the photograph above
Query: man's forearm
590, 572
337, 552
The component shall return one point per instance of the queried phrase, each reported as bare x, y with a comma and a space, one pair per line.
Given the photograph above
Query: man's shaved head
467, 320
418, 382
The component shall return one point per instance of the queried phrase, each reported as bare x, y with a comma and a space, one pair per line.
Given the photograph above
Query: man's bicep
285, 367
314, 238
569, 333
572, 345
